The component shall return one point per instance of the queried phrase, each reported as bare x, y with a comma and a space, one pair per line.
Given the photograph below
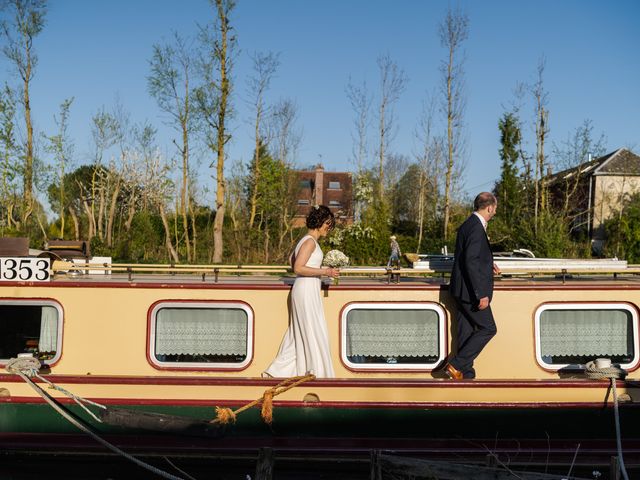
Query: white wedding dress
305, 346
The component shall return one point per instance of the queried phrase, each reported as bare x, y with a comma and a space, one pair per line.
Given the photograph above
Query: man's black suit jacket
472, 274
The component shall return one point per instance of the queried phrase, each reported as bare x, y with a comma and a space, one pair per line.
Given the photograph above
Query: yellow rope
225, 415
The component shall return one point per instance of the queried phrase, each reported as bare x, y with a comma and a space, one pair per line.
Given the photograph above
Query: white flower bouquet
335, 259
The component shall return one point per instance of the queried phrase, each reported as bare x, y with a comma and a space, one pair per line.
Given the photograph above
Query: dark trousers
475, 329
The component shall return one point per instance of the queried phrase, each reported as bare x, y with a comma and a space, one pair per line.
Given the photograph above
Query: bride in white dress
305, 346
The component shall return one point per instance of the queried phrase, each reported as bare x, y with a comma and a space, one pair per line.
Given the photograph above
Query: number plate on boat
24, 269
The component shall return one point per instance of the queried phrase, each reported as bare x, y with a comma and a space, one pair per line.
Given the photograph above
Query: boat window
393, 336
30, 326
570, 335
201, 335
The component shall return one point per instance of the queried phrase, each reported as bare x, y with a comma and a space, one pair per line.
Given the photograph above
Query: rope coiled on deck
28, 367
613, 372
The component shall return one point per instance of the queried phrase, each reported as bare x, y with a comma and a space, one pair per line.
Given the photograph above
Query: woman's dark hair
318, 216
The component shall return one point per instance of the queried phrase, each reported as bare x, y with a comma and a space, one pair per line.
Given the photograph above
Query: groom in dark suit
472, 287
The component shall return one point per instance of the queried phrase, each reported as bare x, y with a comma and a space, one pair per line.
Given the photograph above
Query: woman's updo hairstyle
318, 216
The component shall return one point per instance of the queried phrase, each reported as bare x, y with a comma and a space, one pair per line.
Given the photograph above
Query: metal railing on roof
434, 266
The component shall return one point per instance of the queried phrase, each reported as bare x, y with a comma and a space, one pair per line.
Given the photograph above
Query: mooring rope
27, 367
612, 373
225, 415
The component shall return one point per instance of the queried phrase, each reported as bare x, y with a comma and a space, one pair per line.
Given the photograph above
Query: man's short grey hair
484, 200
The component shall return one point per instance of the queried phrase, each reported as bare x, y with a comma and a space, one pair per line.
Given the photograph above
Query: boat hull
310, 424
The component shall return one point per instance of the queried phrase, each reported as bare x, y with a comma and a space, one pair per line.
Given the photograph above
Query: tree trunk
225, 90
447, 181
28, 160
194, 232
76, 223
256, 172
185, 196
62, 206
101, 208
87, 209
112, 212
167, 235
131, 213
421, 195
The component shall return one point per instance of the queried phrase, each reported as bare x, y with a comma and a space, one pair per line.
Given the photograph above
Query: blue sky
99, 51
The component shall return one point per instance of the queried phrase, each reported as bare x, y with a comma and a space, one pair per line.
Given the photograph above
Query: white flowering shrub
363, 190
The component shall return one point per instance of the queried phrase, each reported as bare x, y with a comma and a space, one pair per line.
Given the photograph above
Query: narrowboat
157, 352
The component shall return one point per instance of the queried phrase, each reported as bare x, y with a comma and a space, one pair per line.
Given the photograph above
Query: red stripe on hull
162, 402
359, 383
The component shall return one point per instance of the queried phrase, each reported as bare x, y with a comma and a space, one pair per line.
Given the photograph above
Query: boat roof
406, 278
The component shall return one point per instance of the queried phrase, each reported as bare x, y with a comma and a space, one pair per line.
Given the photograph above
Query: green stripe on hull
532, 423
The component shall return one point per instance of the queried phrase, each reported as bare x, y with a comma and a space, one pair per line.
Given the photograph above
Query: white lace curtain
585, 332
48, 329
392, 333
201, 331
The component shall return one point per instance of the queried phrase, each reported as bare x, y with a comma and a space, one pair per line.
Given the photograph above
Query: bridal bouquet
335, 259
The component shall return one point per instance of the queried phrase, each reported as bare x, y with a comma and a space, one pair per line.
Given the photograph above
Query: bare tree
235, 198
169, 83
575, 153
264, 68
360, 100
138, 164
144, 136
393, 82
213, 99
453, 31
8, 162
540, 96
116, 170
62, 149
27, 22
160, 190
105, 131
284, 132
428, 158
287, 139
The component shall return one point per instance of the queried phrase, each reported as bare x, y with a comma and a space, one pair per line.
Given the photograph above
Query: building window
30, 326
334, 185
305, 184
335, 204
303, 202
574, 334
393, 336
201, 335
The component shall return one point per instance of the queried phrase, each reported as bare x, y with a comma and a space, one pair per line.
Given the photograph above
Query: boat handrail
543, 267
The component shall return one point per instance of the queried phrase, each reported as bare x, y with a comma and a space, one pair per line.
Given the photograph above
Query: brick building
319, 187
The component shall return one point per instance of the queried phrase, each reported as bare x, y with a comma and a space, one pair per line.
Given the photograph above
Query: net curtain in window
48, 329
585, 332
411, 333
206, 331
